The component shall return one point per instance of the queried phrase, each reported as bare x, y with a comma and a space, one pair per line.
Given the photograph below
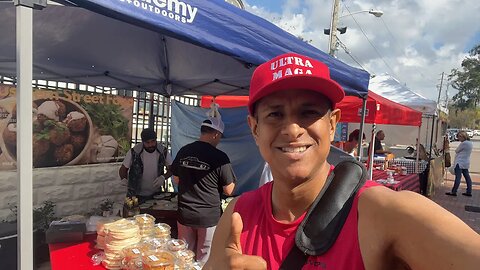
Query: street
475, 158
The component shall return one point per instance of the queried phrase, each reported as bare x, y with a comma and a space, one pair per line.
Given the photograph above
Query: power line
374, 47
396, 42
347, 51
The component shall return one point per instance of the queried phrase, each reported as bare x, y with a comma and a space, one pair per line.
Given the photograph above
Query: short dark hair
355, 135
148, 134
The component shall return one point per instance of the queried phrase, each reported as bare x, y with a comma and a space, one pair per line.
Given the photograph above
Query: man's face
293, 130
150, 145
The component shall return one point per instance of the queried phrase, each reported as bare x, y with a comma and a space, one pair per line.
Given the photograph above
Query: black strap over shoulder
325, 219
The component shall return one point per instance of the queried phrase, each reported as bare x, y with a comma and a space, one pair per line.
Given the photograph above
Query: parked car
476, 132
469, 133
452, 134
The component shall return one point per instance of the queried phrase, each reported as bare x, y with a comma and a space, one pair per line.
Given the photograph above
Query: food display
124, 248
100, 226
185, 257
162, 230
118, 235
132, 257
146, 224
159, 260
130, 207
175, 245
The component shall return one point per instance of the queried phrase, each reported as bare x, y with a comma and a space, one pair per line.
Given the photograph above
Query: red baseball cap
293, 71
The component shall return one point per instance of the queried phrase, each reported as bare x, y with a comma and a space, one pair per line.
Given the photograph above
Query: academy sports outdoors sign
173, 9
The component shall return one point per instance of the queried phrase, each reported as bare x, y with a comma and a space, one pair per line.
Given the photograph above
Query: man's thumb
235, 232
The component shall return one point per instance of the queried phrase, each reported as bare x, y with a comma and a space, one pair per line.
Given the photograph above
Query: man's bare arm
228, 189
416, 231
123, 172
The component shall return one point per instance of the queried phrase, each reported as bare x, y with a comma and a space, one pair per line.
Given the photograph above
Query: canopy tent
380, 110
175, 48
389, 87
169, 47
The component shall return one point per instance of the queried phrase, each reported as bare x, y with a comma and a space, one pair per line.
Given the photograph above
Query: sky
414, 41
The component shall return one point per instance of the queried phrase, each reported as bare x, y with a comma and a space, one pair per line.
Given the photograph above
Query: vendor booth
186, 47
379, 110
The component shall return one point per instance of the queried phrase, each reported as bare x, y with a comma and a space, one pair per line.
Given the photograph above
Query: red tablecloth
73, 256
405, 182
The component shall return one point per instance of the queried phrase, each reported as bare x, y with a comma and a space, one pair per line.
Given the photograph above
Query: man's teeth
294, 149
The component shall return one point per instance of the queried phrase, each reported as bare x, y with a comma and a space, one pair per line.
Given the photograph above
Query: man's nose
292, 129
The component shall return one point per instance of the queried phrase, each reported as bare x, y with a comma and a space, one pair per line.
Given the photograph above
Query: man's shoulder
137, 148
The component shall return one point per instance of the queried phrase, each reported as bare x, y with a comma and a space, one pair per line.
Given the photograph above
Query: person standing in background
377, 147
202, 173
145, 167
353, 140
462, 164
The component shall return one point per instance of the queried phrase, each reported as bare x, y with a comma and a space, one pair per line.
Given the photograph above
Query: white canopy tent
387, 86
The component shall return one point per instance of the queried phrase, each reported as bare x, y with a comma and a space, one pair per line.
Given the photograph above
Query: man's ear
334, 119
252, 123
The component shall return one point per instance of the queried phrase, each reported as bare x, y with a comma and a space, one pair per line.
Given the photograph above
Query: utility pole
438, 116
332, 45
440, 90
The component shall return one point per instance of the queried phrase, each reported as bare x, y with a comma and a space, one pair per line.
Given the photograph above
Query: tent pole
362, 125
151, 116
24, 36
370, 152
431, 138
418, 152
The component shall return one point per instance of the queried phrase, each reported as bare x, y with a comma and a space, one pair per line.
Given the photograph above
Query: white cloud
415, 40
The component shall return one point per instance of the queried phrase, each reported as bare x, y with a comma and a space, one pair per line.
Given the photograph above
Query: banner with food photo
69, 127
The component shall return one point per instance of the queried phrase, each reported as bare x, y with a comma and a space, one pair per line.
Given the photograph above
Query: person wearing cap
202, 172
293, 118
145, 167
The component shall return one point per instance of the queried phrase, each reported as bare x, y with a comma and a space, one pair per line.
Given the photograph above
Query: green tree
467, 81
463, 118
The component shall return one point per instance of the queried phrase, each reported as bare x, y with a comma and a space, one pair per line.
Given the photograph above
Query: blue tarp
172, 47
238, 142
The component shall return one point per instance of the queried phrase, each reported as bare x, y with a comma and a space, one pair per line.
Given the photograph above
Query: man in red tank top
292, 117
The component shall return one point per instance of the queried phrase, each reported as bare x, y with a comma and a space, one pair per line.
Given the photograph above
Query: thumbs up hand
233, 249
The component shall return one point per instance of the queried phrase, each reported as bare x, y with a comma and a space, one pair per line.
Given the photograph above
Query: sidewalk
456, 205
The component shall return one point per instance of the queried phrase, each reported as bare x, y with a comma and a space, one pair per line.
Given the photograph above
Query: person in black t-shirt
202, 173
377, 147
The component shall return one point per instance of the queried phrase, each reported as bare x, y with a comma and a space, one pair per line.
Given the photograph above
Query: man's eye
311, 113
274, 114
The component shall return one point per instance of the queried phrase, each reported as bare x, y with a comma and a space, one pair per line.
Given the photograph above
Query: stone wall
74, 189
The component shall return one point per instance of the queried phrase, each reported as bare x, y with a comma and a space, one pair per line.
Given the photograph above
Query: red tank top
264, 236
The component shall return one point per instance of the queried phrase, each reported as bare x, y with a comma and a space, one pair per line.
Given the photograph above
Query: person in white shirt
462, 164
145, 167
266, 175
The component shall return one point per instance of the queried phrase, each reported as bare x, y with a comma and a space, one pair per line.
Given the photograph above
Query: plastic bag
451, 170
97, 258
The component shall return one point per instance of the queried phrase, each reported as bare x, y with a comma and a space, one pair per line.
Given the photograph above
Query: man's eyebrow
274, 106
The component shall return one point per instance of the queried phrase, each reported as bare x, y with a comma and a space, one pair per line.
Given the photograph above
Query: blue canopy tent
171, 47
182, 47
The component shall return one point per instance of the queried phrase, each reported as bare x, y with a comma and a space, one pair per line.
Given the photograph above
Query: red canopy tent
379, 109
